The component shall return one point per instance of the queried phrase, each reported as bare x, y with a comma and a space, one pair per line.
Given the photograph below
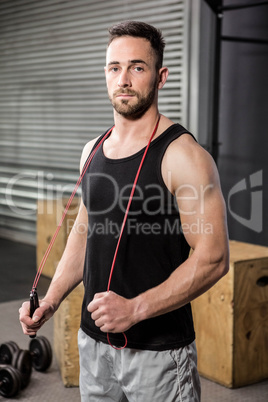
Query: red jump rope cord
124, 223
45, 257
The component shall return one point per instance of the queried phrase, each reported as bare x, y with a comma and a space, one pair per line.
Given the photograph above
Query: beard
135, 110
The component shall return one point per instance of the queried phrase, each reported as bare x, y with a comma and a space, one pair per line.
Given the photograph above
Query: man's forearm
187, 282
114, 313
69, 272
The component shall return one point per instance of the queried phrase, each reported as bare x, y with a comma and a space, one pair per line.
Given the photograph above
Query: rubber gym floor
17, 272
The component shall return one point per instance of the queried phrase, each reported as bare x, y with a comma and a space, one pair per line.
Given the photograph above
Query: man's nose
124, 79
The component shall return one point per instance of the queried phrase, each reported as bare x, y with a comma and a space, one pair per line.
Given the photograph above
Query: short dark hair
141, 30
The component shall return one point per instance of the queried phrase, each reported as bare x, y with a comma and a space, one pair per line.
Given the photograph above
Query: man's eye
138, 69
114, 69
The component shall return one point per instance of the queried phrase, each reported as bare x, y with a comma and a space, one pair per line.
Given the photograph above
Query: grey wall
53, 96
243, 123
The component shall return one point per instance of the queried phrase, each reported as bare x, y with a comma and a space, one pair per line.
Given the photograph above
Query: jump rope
34, 302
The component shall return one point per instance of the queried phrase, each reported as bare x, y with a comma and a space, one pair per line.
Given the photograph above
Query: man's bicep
203, 217
79, 230
196, 186
201, 204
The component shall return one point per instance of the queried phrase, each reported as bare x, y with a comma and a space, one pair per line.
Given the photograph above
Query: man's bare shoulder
186, 150
86, 151
188, 162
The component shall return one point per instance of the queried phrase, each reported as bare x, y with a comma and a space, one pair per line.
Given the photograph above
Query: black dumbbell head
41, 352
22, 361
10, 381
7, 351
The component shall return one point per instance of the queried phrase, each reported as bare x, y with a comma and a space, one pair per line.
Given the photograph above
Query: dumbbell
11, 354
10, 381
39, 354
18, 374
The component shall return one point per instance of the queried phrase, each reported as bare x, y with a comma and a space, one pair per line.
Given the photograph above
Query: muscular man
177, 205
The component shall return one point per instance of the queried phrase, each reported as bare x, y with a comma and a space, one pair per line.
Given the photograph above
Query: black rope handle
34, 304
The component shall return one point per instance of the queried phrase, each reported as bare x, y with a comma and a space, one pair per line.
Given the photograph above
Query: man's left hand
112, 313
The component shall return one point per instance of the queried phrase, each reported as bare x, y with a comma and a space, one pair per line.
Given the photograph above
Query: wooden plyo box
49, 214
66, 325
231, 320
67, 318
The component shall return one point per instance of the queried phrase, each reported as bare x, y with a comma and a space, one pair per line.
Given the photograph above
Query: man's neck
131, 130
129, 136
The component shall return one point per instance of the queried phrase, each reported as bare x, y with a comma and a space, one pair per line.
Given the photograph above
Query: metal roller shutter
53, 93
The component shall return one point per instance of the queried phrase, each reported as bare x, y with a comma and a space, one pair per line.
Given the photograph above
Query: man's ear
163, 74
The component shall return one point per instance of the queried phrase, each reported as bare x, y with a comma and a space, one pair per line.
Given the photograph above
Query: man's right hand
42, 314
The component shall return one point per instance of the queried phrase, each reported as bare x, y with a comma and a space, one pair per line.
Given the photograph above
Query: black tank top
151, 248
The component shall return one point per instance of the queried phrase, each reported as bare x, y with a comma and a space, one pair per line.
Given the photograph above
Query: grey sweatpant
134, 375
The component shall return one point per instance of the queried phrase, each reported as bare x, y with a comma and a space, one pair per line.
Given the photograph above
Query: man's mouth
124, 94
